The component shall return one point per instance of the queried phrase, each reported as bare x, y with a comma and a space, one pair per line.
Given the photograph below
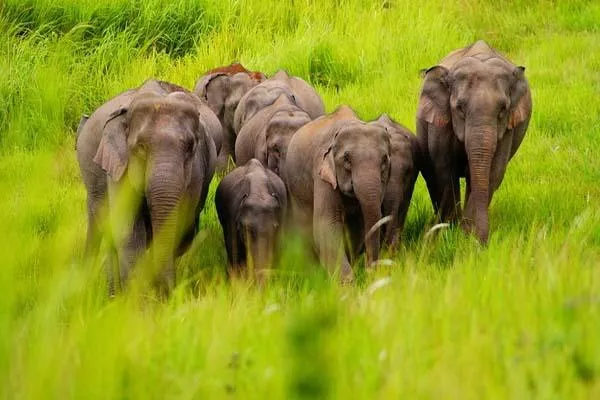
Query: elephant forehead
492, 68
363, 133
289, 118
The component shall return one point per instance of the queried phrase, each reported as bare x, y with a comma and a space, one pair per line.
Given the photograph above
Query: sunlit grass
519, 318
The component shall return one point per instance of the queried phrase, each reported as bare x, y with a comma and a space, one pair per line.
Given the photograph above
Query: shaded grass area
516, 319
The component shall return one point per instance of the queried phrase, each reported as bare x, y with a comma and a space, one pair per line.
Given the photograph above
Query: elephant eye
503, 111
460, 109
384, 162
347, 160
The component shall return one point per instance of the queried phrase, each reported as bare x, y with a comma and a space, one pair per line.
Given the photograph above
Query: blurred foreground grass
518, 319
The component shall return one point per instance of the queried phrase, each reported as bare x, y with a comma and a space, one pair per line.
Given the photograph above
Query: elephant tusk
377, 225
435, 228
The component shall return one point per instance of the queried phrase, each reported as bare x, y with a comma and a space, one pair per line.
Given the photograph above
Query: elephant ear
112, 155
214, 97
520, 97
434, 103
327, 168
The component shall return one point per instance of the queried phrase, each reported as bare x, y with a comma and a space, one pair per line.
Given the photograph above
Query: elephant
251, 202
337, 171
266, 136
405, 166
473, 112
222, 88
296, 90
151, 142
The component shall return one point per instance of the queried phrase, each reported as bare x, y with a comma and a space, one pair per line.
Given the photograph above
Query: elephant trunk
368, 189
164, 192
481, 146
261, 254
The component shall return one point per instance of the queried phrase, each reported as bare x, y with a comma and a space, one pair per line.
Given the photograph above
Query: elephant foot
469, 227
346, 275
262, 276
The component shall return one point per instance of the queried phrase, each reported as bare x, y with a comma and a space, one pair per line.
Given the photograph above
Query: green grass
519, 318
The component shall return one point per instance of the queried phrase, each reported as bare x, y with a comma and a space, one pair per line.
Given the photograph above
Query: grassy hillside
519, 318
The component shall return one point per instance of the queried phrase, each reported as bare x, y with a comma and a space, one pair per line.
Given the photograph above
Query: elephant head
307, 97
260, 214
154, 143
260, 97
479, 98
296, 89
357, 163
222, 89
279, 130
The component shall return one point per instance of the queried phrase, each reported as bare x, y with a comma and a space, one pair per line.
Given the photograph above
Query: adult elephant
251, 202
222, 88
405, 166
267, 135
473, 113
337, 171
150, 143
296, 89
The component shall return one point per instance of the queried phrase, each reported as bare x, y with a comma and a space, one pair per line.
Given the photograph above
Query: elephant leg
499, 163
93, 239
110, 268
390, 207
301, 217
356, 234
132, 248
128, 230
165, 280
189, 233
236, 250
400, 219
448, 195
441, 173
328, 231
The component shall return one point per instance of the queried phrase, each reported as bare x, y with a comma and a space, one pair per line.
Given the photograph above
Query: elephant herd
343, 183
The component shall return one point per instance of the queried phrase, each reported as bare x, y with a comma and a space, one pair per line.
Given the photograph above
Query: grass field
519, 318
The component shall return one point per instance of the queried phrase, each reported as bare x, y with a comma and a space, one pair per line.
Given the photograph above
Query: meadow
519, 318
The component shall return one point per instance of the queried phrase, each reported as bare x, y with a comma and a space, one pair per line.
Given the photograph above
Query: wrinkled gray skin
337, 171
223, 92
405, 161
266, 136
296, 89
251, 202
152, 141
473, 113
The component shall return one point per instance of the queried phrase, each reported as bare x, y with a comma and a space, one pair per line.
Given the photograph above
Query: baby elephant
251, 202
405, 162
